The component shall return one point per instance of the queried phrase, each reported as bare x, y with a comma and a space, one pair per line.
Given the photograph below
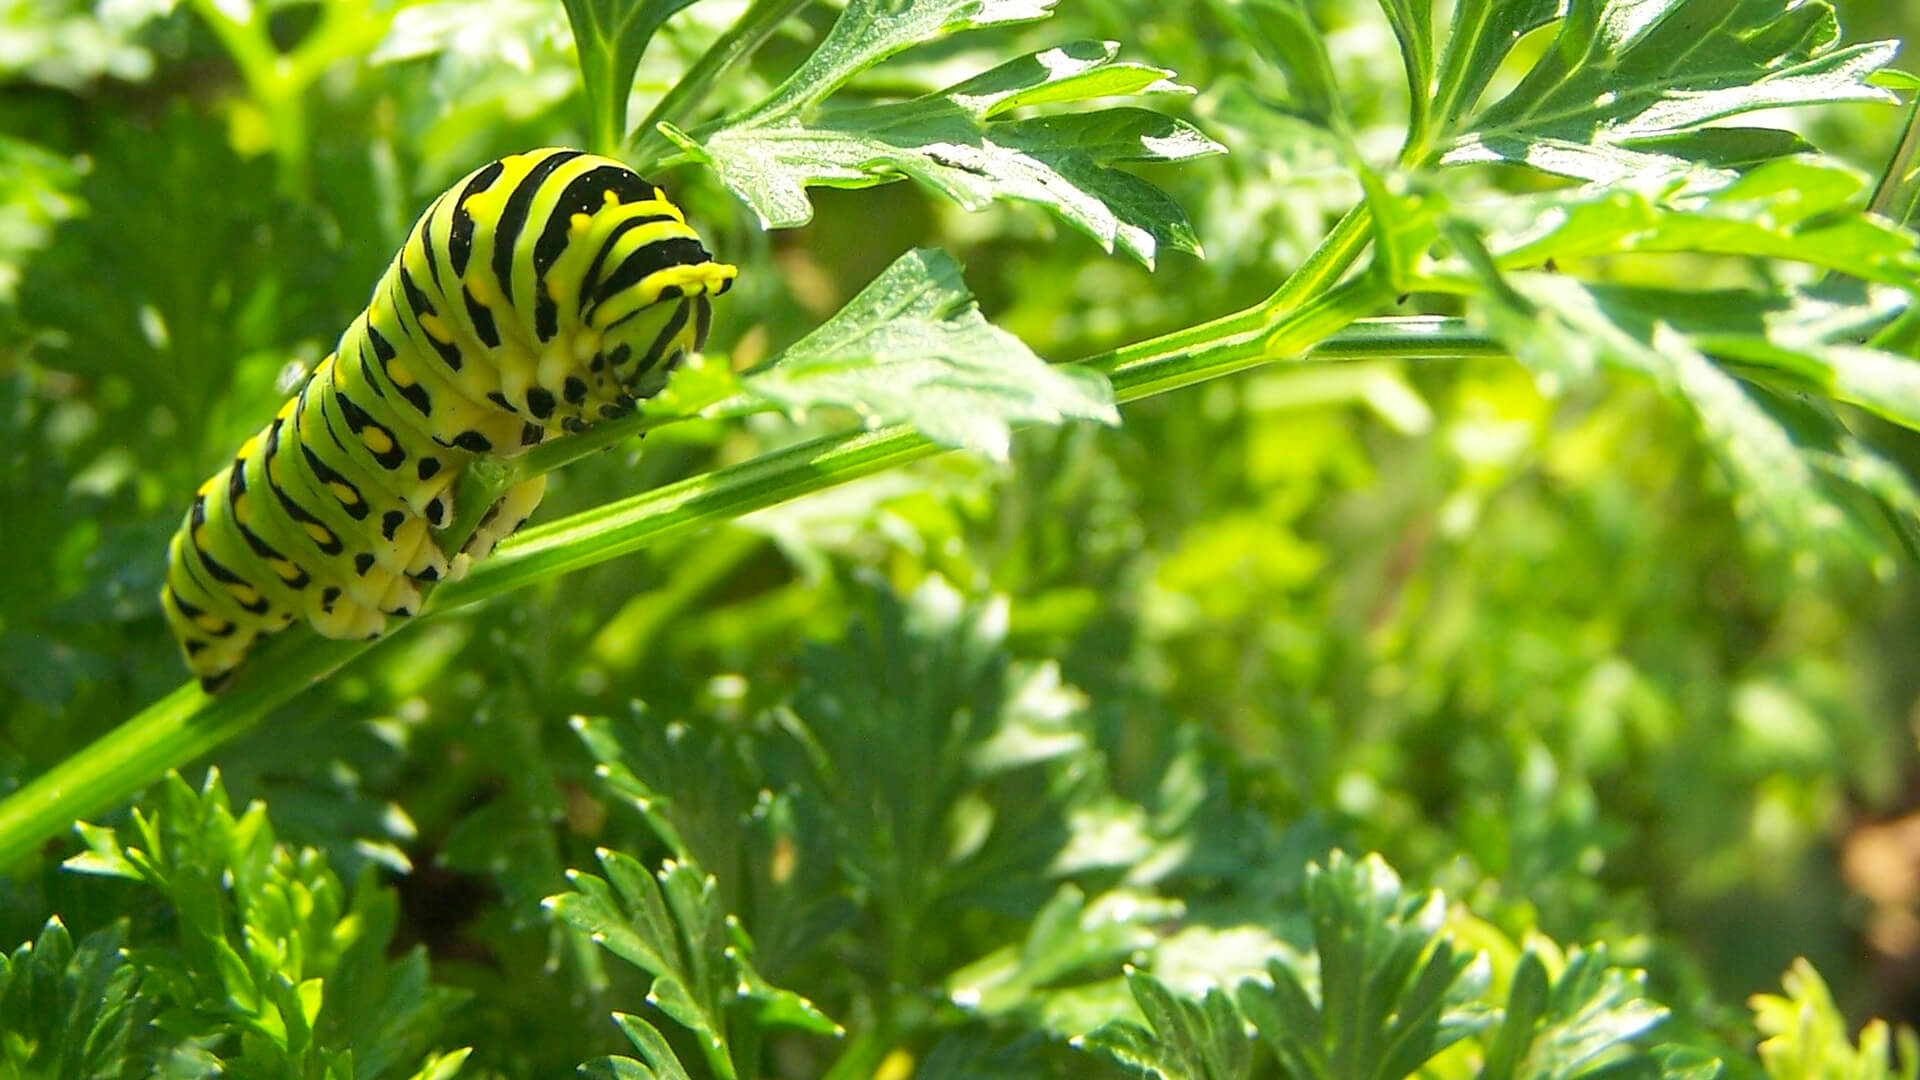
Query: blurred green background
1517, 644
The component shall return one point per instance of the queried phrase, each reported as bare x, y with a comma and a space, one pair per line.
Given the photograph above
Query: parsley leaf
960, 141
1626, 87
912, 348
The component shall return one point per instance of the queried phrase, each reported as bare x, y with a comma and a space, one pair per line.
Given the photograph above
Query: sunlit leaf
1626, 88
912, 348
956, 141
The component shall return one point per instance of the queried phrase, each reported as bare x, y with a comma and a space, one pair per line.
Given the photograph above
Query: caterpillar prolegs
543, 293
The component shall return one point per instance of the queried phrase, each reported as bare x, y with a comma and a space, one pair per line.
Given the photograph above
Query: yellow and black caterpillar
544, 292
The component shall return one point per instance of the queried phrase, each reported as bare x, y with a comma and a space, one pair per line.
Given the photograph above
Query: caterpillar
544, 292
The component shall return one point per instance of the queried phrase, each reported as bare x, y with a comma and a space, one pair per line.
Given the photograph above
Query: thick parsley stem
1332, 259
185, 724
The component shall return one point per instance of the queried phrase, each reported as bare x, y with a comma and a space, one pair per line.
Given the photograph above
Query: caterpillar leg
347, 619
504, 518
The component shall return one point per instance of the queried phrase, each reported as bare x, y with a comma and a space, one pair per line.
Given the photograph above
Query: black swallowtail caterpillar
544, 292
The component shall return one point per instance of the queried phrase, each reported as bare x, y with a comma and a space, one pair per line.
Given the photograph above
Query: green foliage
1560, 549
609, 38
1390, 993
913, 349
671, 925
71, 1012
1390, 987
1201, 1040
1625, 90
1804, 1035
35, 195
275, 969
957, 141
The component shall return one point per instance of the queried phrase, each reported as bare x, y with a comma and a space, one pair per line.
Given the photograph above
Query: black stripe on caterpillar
543, 293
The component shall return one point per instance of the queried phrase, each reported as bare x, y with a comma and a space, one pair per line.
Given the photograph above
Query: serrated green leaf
1594, 1014
696, 385
1039, 724
1130, 1046
1805, 1035
676, 1000
672, 925
1622, 79
71, 1011
1192, 1039
635, 928
268, 964
1391, 993
912, 348
1799, 210
869, 31
661, 1062
1076, 71
777, 1008
954, 142
1069, 938
103, 855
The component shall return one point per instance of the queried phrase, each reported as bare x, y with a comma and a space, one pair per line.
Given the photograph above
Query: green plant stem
185, 724
1318, 273
485, 481
676, 106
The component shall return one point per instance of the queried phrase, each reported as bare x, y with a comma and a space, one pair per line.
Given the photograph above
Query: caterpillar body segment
543, 293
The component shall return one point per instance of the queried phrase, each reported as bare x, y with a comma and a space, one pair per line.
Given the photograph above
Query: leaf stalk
179, 728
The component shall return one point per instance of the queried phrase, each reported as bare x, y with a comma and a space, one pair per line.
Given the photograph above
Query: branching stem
185, 724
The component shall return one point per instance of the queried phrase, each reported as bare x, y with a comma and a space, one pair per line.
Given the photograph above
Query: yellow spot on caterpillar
483, 290
320, 533
212, 624
486, 205
247, 448
399, 372
242, 508
286, 570
436, 328
666, 206
207, 487
345, 494
578, 224
612, 198
286, 407
376, 440
244, 593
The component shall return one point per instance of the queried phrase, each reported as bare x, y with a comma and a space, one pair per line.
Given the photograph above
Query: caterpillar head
649, 328
637, 278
